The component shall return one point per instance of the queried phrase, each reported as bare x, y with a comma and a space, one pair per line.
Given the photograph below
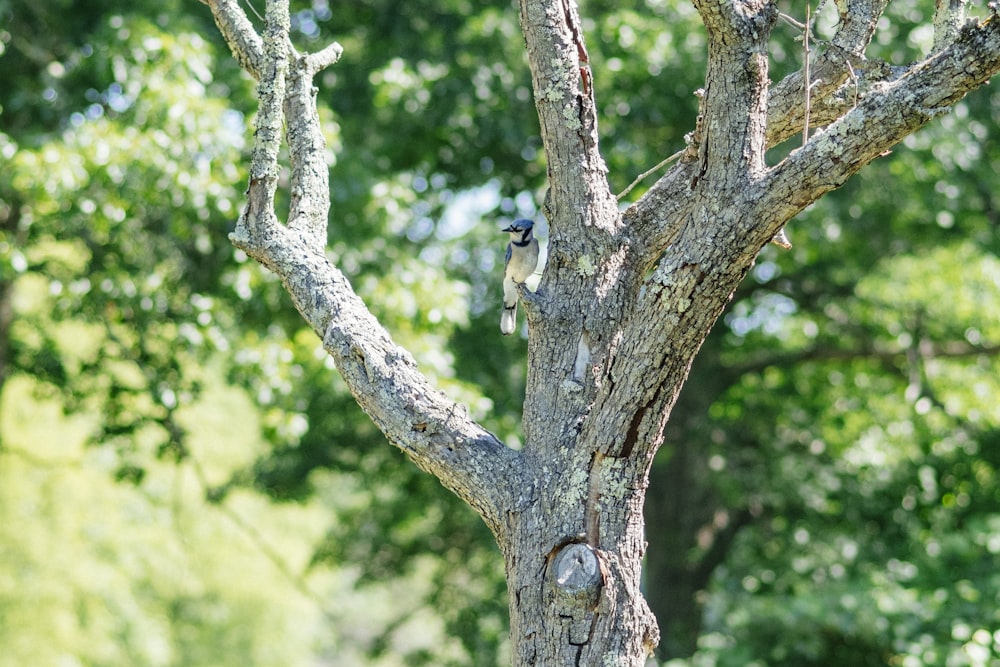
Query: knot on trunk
576, 577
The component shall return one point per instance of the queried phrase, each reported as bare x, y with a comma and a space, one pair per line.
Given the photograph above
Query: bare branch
564, 97
948, 18
310, 182
791, 21
735, 99
320, 60
641, 177
829, 72
882, 118
239, 33
807, 79
658, 214
731, 122
258, 224
434, 431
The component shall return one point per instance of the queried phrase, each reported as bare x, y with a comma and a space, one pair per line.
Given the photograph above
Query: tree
782, 497
626, 298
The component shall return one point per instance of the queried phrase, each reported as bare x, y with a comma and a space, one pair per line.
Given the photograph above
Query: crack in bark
594, 618
592, 517
632, 434
583, 59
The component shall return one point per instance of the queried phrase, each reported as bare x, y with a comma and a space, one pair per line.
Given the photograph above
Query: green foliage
99, 573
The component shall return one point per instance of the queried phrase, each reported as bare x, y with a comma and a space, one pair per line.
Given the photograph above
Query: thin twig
854, 79
790, 21
253, 9
807, 85
643, 175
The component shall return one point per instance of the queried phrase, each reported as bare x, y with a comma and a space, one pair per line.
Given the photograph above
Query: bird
521, 260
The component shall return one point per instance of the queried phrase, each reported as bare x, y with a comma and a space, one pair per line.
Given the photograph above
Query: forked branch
434, 431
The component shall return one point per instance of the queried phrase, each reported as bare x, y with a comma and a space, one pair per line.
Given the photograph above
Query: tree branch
239, 33
726, 149
310, 183
258, 224
658, 214
564, 98
948, 18
662, 207
731, 147
590, 250
712, 247
882, 119
934, 350
435, 432
843, 55
684, 296
319, 61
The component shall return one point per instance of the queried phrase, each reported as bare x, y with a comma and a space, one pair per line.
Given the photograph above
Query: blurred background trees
185, 481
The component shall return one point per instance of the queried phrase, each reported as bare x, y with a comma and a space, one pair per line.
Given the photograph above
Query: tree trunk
625, 301
573, 603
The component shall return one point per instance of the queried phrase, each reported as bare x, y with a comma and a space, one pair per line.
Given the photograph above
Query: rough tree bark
627, 297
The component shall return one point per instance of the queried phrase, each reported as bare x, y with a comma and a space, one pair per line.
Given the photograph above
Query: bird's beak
508, 229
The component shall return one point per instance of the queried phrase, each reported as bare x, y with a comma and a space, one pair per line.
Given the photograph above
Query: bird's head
521, 228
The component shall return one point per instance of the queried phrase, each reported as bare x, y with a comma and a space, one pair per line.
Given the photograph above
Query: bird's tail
508, 318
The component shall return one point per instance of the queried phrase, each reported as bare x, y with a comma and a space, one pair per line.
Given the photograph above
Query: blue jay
522, 258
